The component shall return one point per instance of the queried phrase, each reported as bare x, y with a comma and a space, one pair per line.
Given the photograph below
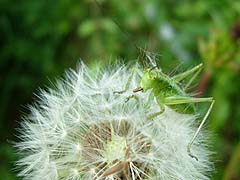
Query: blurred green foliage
221, 54
39, 39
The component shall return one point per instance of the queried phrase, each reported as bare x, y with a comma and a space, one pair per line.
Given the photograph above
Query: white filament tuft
85, 131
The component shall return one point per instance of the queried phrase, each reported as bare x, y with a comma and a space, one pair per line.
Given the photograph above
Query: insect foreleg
133, 71
132, 96
180, 77
152, 116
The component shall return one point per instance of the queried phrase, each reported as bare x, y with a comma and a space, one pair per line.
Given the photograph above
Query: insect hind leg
198, 130
185, 100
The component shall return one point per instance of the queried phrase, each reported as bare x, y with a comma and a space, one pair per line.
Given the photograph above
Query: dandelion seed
85, 131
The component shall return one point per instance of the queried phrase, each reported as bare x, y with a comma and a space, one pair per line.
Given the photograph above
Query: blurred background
40, 39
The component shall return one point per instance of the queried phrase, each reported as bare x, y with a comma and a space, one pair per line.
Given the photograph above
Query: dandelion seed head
115, 148
82, 129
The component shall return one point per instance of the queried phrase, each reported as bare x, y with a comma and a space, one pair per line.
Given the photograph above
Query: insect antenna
125, 33
146, 56
154, 67
142, 57
143, 53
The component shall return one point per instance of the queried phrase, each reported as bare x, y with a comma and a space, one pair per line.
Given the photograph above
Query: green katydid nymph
168, 91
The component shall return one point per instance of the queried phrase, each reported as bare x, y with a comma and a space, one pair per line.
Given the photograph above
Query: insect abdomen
165, 88
184, 108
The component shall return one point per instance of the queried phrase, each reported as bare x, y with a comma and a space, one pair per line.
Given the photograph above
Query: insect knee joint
189, 152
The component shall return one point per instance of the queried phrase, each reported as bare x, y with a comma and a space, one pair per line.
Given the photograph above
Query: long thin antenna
125, 33
143, 54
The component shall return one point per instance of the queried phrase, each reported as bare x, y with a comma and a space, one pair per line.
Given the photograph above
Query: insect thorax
163, 87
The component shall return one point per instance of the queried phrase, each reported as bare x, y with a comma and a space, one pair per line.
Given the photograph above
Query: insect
168, 91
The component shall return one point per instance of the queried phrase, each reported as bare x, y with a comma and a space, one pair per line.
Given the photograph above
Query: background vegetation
40, 38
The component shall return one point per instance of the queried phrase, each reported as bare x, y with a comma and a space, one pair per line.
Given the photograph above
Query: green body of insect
163, 87
169, 91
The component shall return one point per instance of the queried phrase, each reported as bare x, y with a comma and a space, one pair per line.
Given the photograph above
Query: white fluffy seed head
85, 131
